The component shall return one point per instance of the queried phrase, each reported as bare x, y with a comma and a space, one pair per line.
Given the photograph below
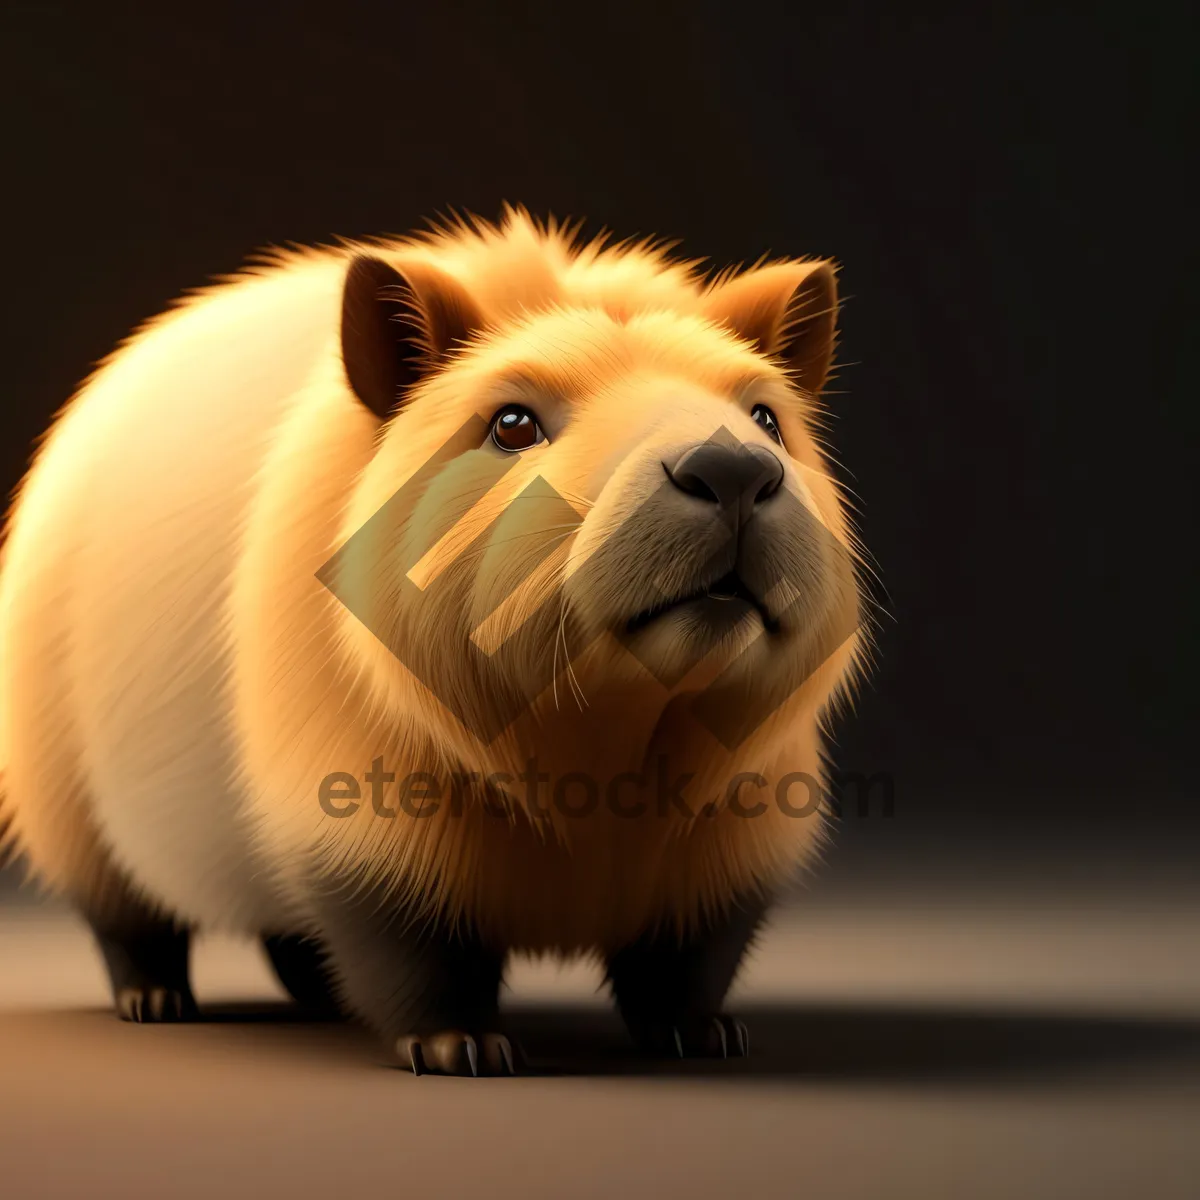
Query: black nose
734, 475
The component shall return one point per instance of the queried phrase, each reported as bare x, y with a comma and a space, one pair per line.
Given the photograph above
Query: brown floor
927, 1049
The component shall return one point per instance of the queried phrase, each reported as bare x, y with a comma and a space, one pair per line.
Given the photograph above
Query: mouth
724, 600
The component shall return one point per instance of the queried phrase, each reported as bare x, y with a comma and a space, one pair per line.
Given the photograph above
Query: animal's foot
453, 1052
152, 1005
719, 1036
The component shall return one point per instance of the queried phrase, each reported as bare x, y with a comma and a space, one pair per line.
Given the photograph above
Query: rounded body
196, 712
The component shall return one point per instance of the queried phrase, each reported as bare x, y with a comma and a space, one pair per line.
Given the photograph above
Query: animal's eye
763, 416
515, 429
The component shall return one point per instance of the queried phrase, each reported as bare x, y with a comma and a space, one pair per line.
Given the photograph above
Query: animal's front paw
453, 1052
719, 1036
149, 1005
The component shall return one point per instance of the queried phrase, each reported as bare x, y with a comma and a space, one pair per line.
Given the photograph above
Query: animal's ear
397, 325
787, 310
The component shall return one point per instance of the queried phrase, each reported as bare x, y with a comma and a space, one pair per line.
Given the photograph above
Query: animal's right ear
397, 325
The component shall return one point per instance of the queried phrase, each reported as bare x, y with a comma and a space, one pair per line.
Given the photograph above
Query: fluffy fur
175, 681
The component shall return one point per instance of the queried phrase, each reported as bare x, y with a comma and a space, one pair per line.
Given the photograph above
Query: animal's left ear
787, 310
398, 325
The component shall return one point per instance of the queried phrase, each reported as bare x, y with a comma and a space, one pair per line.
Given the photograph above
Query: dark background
1007, 195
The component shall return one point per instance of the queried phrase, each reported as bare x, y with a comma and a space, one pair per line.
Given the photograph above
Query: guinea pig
414, 602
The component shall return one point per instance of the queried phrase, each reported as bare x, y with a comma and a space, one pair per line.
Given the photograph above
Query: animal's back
113, 600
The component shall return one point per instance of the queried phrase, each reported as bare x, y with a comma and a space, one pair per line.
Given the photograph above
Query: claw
129, 1005
743, 1038
697, 1036
454, 1052
147, 1006
410, 1047
497, 1055
721, 1037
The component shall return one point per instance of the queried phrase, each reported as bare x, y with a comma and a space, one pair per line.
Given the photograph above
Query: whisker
469, 555
580, 698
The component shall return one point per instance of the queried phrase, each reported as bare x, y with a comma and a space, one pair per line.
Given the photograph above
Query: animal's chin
718, 606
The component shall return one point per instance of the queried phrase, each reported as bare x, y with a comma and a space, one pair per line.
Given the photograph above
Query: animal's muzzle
735, 476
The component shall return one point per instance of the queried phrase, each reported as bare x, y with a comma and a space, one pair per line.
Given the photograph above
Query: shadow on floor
852, 1042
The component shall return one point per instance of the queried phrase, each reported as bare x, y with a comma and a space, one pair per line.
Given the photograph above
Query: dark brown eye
515, 429
762, 415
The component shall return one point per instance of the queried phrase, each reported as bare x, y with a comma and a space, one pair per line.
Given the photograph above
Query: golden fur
629, 353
